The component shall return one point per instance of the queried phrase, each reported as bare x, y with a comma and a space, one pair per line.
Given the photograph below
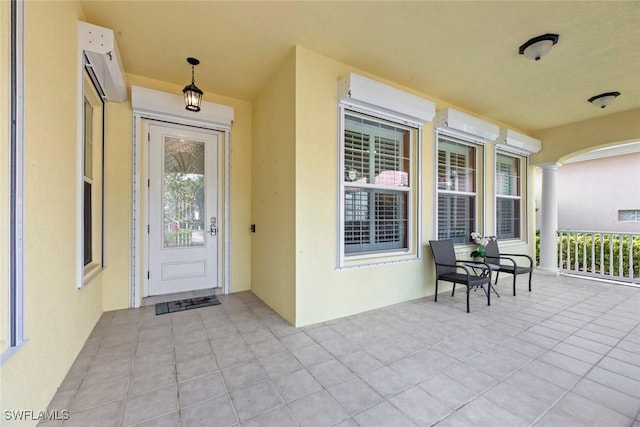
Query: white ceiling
464, 53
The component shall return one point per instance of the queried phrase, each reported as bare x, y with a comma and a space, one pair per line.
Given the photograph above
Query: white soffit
515, 141
467, 124
161, 105
99, 46
359, 91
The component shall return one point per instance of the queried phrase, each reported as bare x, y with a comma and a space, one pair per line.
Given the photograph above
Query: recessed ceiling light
538, 47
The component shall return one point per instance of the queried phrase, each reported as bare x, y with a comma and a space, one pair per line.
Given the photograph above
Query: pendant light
192, 94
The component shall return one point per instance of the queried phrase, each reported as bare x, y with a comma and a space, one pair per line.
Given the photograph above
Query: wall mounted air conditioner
518, 142
461, 122
102, 60
361, 92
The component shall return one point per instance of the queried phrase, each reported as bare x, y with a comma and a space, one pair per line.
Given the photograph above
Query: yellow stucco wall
273, 250
58, 318
117, 205
323, 291
561, 141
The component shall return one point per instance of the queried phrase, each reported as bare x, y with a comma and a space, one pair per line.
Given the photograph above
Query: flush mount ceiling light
192, 94
539, 46
604, 99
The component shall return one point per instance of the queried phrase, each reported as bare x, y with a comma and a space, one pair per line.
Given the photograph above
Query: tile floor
567, 354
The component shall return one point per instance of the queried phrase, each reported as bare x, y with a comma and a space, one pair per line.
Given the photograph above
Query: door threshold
155, 299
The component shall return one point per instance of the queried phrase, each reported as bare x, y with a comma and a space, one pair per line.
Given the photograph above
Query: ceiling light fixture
604, 99
539, 46
192, 94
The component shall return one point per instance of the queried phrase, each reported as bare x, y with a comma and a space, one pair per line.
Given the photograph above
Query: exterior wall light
192, 94
539, 46
604, 99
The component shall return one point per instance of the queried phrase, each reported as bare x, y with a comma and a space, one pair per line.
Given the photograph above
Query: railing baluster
630, 237
584, 252
569, 262
560, 255
634, 262
593, 253
575, 249
620, 267
602, 263
611, 254
569, 246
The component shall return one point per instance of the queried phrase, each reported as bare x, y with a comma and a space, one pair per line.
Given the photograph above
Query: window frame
524, 194
636, 214
522, 188
14, 289
90, 92
413, 190
479, 181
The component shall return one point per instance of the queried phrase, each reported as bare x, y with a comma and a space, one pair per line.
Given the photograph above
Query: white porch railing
603, 254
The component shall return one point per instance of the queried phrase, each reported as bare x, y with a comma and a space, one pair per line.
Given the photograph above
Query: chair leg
497, 274
530, 273
468, 299
453, 289
436, 299
514, 284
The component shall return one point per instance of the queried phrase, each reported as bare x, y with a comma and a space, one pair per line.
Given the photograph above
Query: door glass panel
183, 193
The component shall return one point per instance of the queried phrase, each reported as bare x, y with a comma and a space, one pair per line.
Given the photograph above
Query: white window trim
414, 237
524, 194
16, 338
85, 274
480, 144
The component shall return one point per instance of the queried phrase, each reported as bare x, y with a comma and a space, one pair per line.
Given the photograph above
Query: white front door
183, 208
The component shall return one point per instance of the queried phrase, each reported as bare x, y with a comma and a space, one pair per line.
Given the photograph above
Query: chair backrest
493, 251
443, 253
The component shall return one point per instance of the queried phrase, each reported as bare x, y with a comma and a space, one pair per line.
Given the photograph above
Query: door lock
214, 226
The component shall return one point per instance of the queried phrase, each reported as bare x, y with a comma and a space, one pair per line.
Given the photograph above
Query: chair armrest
465, 268
522, 255
455, 266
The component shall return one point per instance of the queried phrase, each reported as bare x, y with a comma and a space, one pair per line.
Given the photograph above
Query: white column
549, 226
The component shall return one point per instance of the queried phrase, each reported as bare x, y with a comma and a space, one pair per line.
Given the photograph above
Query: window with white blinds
376, 184
457, 189
508, 196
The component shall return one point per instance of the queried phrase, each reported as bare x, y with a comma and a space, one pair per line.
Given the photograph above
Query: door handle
213, 229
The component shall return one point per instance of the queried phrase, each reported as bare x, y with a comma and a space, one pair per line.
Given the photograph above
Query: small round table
480, 268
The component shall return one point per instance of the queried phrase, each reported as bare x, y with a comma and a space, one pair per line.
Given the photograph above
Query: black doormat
186, 304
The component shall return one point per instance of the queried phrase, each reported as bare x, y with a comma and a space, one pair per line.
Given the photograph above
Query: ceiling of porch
464, 53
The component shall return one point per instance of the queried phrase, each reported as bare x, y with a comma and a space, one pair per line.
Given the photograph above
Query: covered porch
370, 347
567, 354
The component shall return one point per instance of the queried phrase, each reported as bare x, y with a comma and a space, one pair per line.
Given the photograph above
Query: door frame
220, 136
154, 106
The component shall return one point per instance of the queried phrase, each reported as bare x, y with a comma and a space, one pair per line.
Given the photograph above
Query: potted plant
480, 252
